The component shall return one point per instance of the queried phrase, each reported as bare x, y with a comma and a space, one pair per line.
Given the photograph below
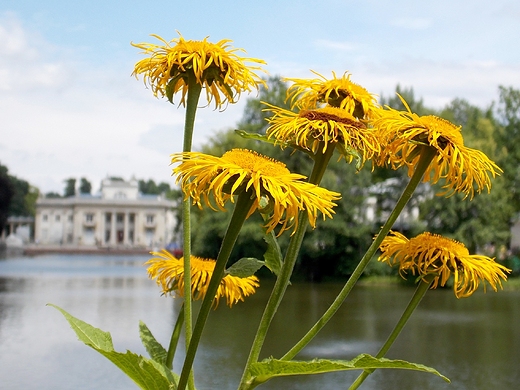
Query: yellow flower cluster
337, 92
238, 170
434, 254
321, 128
169, 274
463, 169
214, 66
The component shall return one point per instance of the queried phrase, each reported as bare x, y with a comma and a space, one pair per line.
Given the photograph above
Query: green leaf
273, 254
258, 137
346, 151
245, 267
147, 374
170, 87
270, 368
153, 347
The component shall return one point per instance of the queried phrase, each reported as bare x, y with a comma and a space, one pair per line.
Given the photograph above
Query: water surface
474, 341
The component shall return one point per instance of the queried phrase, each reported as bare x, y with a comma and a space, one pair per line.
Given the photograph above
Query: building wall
119, 217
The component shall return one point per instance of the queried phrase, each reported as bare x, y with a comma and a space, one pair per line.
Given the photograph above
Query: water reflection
473, 341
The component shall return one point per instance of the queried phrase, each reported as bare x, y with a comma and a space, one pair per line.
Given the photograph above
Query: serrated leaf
273, 254
146, 373
247, 266
270, 368
153, 347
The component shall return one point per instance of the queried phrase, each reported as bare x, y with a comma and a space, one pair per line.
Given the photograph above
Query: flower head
168, 272
214, 65
337, 92
464, 169
325, 126
244, 170
434, 254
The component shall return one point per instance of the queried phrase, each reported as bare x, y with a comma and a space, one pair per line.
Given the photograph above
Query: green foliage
245, 267
6, 195
85, 187
271, 368
509, 140
52, 195
70, 187
148, 374
17, 196
153, 347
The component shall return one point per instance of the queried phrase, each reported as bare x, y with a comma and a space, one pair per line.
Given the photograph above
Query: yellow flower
169, 274
338, 92
325, 126
215, 66
463, 168
434, 254
244, 170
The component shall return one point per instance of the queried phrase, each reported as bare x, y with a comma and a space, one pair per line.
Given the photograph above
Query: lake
474, 341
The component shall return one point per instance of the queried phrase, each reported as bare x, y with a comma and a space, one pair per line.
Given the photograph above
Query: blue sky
69, 108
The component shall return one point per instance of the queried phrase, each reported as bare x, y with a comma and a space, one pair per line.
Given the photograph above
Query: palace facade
119, 217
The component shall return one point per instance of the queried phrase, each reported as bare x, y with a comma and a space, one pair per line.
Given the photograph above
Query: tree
70, 187
85, 187
509, 139
6, 195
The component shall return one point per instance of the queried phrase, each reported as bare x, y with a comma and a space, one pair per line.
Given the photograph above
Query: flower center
255, 162
331, 114
449, 132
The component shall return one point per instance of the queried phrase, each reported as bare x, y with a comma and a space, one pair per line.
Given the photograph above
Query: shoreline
34, 250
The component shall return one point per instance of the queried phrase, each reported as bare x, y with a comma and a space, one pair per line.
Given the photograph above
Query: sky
69, 106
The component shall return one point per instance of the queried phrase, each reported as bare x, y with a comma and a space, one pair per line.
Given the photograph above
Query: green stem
320, 165
243, 204
427, 154
175, 338
194, 90
423, 286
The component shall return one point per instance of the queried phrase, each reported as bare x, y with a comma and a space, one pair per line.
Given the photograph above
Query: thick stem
243, 204
283, 279
175, 338
423, 286
194, 90
427, 154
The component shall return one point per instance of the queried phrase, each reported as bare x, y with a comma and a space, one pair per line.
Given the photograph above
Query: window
57, 218
70, 218
150, 218
44, 217
108, 217
89, 217
120, 218
120, 195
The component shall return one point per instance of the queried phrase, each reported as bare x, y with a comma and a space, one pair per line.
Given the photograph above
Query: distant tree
17, 197
6, 195
408, 94
150, 187
509, 139
85, 187
52, 195
70, 187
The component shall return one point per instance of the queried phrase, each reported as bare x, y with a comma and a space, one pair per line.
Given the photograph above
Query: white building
119, 217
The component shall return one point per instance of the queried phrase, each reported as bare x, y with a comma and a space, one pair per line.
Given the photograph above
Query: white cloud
64, 118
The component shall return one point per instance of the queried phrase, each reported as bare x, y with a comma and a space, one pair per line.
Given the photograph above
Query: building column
113, 231
125, 228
